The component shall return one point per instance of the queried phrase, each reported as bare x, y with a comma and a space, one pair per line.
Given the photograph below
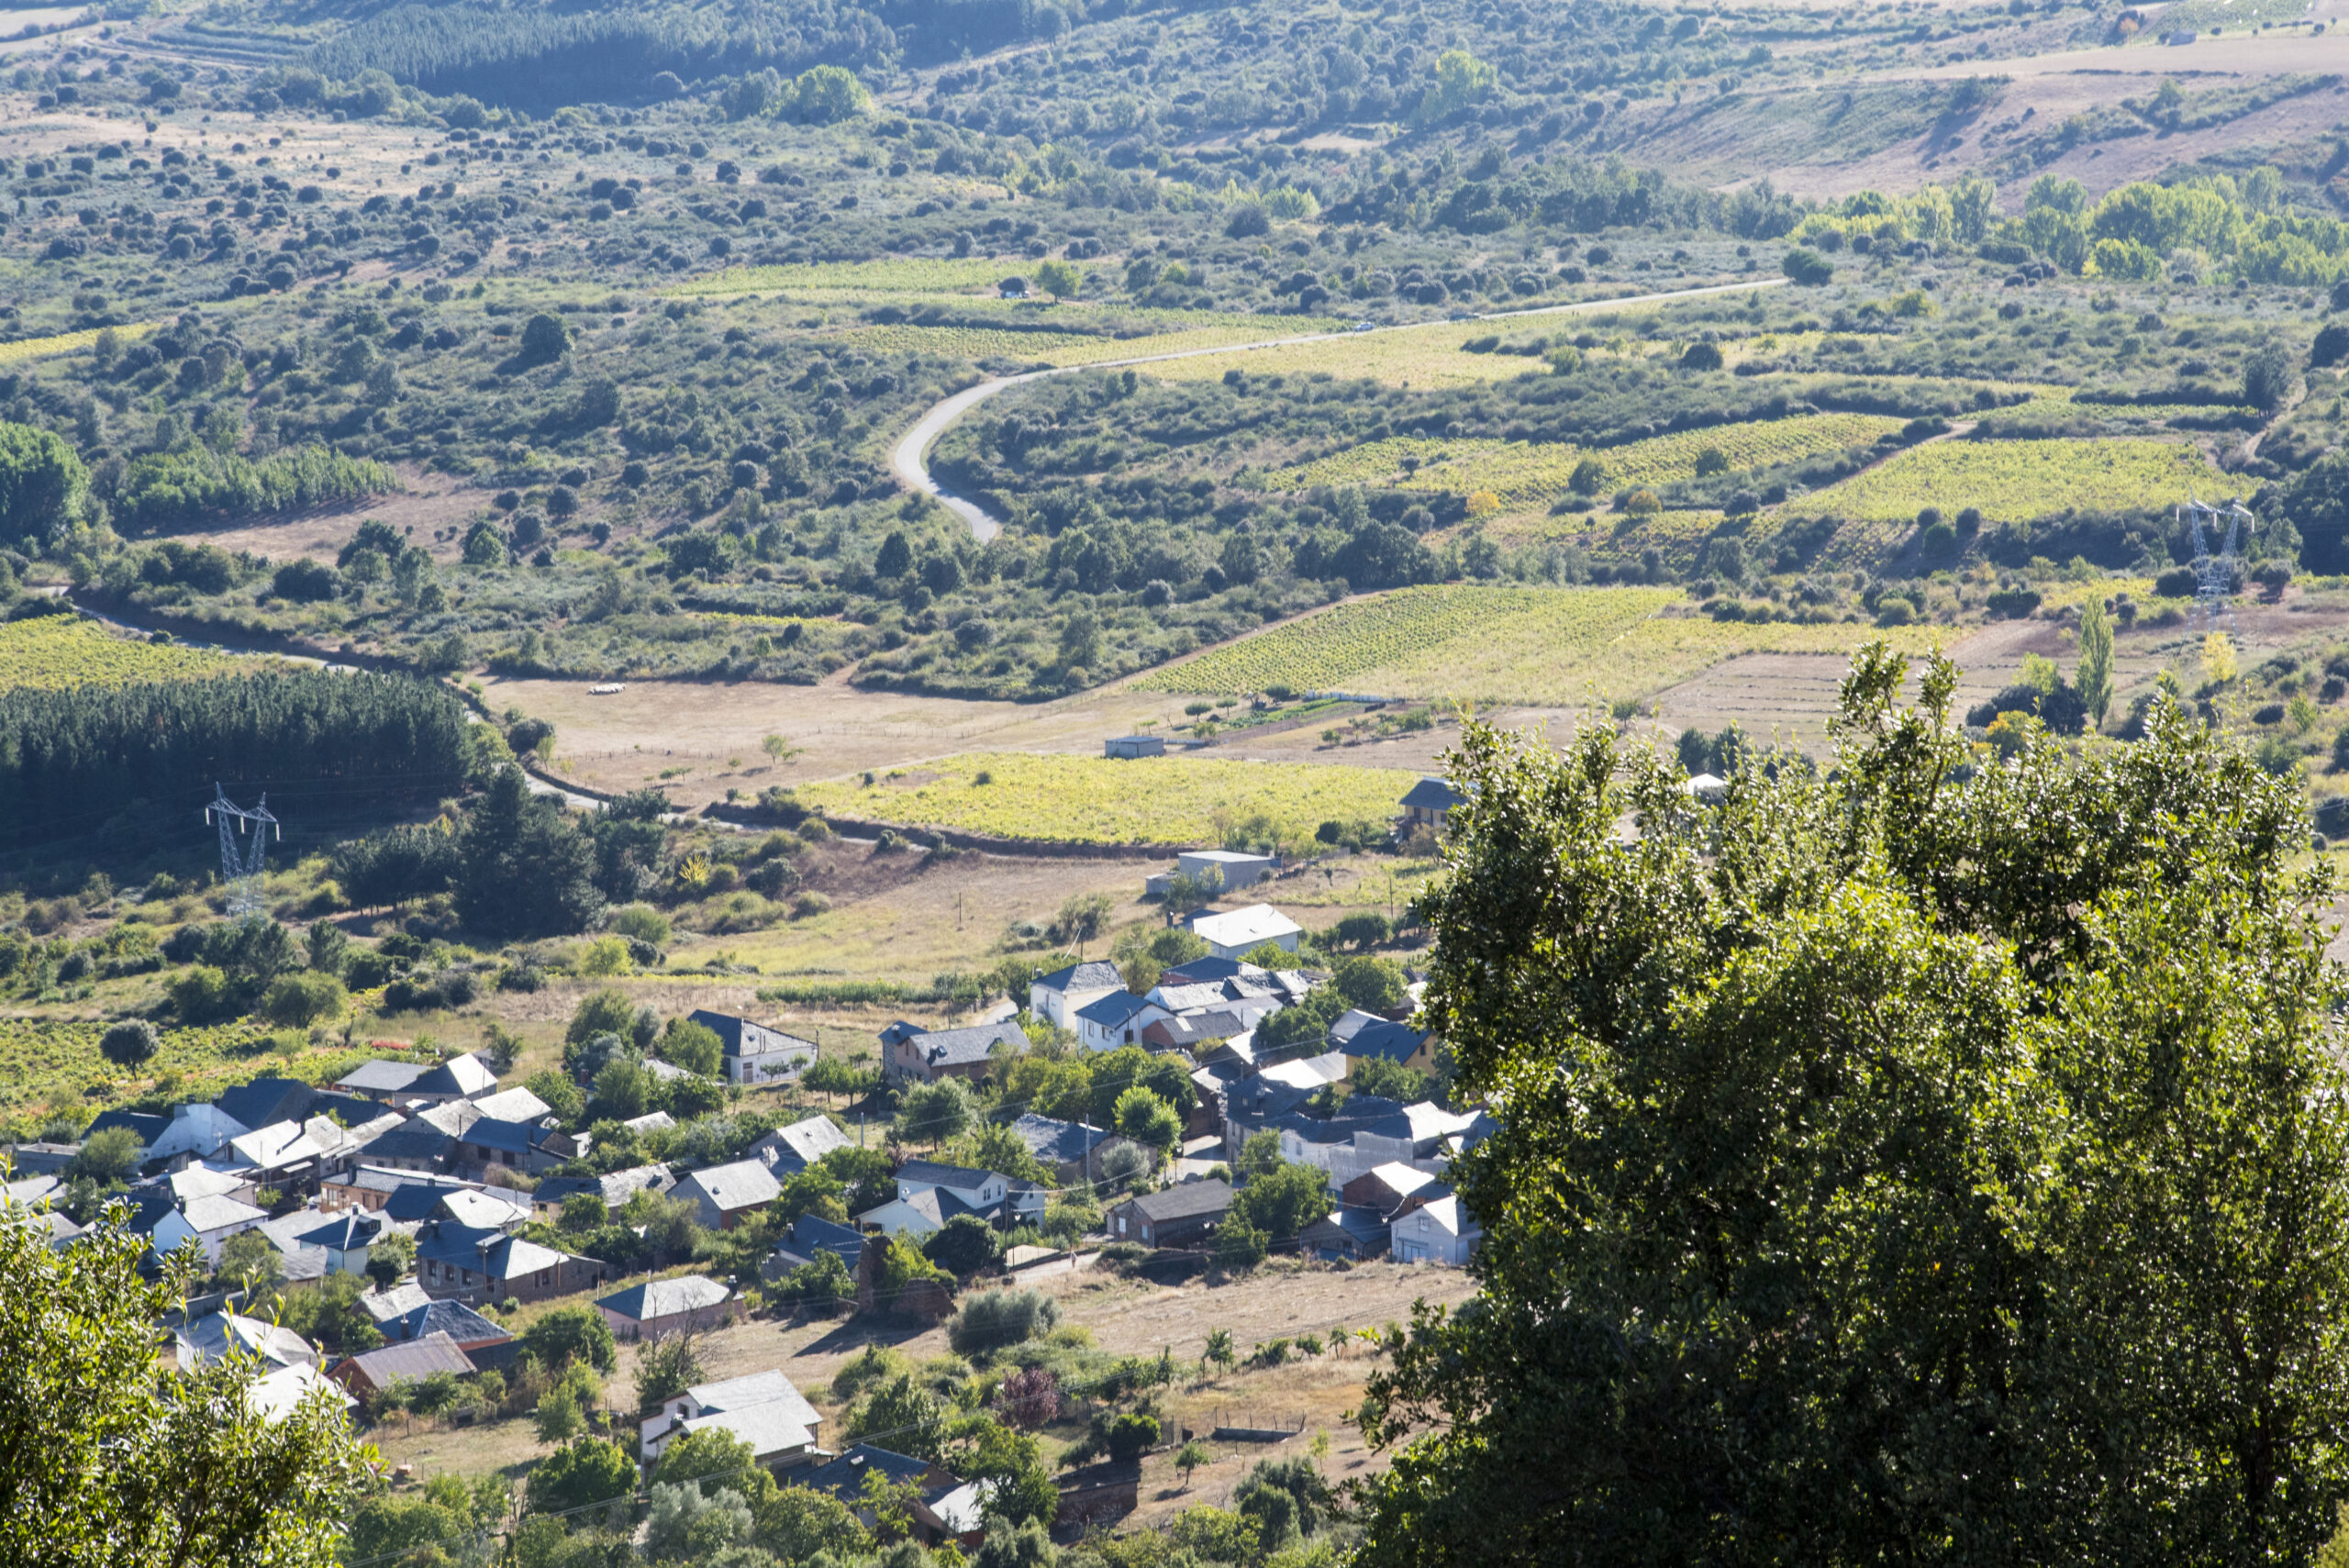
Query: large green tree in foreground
110, 1459
1915, 1163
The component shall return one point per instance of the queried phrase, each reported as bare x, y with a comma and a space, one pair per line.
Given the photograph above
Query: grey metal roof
454, 1318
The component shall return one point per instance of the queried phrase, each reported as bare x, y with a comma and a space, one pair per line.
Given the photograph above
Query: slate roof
218, 1212
501, 1137
381, 1077
665, 1298
1209, 971
963, 1047
201, 1181
417, 1358
811, 1234
463, 1076
1432, 794
1448, 1215
147, 1127
745, 1183
385, 1305
923, 1173
1114, 1010
937, 1205
754, 1389
1186, 1200
800, 1145
346, 1230
412, 1139
615, 1188
844, 1477
516, 1104
1381, 1037
1188, 997
266, 1100
1057, 1141
768, 1428
1366, 1226
1091, 975
746, 1037
415, 1200
454, 1318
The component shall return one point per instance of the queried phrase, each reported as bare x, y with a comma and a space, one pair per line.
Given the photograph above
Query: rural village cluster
438, 1160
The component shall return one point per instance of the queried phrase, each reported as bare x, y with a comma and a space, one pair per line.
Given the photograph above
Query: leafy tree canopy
1907, 1122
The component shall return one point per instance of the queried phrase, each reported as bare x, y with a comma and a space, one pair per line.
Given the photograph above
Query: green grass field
1559, 647
1092, 800
60, 652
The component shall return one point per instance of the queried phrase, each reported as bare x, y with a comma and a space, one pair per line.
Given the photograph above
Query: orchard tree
1922, 1159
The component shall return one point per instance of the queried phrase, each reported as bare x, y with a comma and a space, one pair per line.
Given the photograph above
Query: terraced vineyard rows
893, 276
2013, 481
1093, 800
60, 651
1561, 647
1535, 473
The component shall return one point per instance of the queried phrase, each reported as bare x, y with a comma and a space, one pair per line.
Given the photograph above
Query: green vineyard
2015, 480
54, 652
1561, 647
1093, 800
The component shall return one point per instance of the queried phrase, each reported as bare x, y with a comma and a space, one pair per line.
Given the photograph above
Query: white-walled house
1442, 1232
764, 1409
206, 1222
1242, 931
1057, 996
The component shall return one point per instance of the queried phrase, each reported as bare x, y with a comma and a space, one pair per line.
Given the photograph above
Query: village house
765, 1410
472, 1264
691, 1304
928, 1195
1441, 1232
1185, 1214
205, 1223
755, 1055
911, 1054
1055, 997
787, 1150
1429, 803
613, 1189
371, 1372
723, 1194
1116, 1020
943, 1506
1242, 931
1346, 1232
1070, 1150
1364, 1036
1219, 871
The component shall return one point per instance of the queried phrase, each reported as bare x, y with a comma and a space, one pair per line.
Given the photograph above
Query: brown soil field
1793, 695
708, 735
431, 510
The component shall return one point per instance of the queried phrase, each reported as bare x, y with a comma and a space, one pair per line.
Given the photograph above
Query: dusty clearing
705, 736
1792, 697
431, 510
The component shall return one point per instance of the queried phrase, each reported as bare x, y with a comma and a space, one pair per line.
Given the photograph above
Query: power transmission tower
2214, 575
240, 863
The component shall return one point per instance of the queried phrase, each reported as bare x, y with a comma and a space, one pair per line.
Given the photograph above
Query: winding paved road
908, 460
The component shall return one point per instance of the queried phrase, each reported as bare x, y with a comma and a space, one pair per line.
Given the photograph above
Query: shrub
1129, 1436
129, 1043
300, 1000
994, 1318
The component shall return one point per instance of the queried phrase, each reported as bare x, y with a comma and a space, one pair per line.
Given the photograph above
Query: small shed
1130, 746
